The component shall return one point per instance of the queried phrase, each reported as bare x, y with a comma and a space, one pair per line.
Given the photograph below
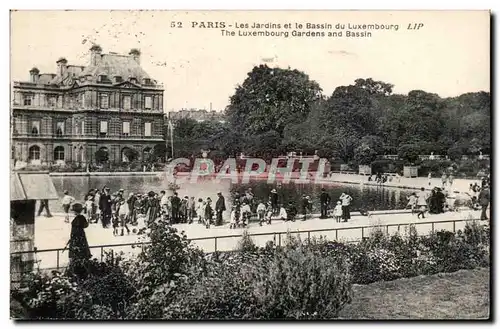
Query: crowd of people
121, 211
441, 200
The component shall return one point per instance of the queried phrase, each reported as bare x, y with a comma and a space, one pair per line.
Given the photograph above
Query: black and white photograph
250, 165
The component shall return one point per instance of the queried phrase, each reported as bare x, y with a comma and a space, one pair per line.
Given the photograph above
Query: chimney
34, 75
61, 66
95, 55
136, 55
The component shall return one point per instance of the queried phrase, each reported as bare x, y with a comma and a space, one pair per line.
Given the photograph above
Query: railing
277, 238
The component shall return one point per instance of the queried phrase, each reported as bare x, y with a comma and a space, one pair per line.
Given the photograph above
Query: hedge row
171, 279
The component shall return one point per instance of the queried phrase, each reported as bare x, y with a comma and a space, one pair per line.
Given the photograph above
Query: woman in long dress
78, 246
152, 208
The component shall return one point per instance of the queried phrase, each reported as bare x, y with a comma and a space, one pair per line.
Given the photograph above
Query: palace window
83, 128
60, 128
147, 81
82, 99
103, 128
104, 101
59, 153
147, 129
27, 100
34, 152
52, 100
118, 79
148, 102
126, 128
103, 79
127, 102
35, 127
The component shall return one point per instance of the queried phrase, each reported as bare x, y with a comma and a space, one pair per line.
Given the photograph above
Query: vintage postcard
255, 165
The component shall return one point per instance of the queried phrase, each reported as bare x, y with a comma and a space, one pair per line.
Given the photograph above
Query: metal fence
278, 239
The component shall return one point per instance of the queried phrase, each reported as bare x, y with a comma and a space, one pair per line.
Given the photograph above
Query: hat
151, 194
273, 191
131, 194
121, 190
106, 188
77, 207
338, 202
186, 197
219, 193
65, 192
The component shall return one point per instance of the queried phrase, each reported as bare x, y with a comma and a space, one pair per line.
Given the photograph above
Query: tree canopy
277, 110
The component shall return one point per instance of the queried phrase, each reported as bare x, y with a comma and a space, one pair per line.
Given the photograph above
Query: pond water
364, 197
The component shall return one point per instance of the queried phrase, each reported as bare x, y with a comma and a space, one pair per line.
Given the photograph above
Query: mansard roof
112, 65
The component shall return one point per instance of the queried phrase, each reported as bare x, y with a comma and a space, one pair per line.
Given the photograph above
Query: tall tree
270, 99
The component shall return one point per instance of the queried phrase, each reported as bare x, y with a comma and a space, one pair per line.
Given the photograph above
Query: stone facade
65, 117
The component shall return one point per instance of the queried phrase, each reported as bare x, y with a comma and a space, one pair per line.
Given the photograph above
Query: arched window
34, 153
13, 152
127, 154
102, 155
82, 156
145, 153
59, 153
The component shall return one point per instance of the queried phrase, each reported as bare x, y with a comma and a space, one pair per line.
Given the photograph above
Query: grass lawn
460, 295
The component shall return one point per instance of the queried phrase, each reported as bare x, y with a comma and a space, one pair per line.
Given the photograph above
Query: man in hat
105, 203
484, 201
274, 201
346, 204
325, 201
220, 207
176, 204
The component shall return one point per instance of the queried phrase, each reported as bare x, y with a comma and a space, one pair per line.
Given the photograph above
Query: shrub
295, 282
103, 294
160, 268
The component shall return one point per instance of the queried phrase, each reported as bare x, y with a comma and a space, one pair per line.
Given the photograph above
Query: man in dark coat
325, 201
274, 201
484, 201
105, 203
304, 206
176, 204
220, 207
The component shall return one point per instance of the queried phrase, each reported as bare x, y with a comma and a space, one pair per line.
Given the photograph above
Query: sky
200, 68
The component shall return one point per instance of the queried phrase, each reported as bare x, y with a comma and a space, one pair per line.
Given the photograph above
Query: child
123, 212
261, 211
234, 218
67, 200
246, 212
282, 214
208, 212
269, 213
337, 212
412, 202
422, 198
89, 208
200, 211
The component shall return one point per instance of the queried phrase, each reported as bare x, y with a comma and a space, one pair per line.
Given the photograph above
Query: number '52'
176, 24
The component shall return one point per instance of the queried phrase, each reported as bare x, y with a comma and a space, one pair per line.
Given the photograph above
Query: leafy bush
160, 268
294, 282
